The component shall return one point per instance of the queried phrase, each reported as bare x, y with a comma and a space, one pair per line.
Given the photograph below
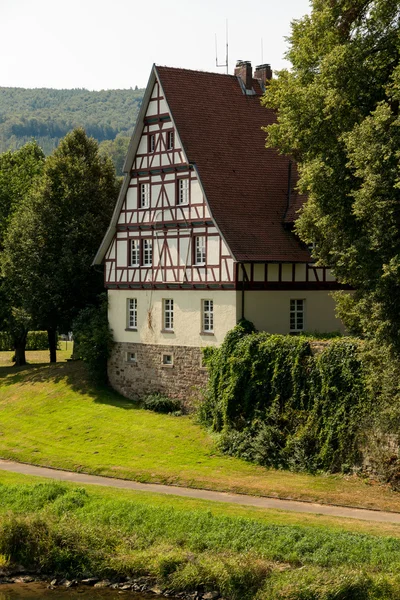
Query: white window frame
144, 195
170, 140
168, 314
152, 143
147, 252
131, 314
183, 191
134, 253
200, 250
167, 360
207, 316
131, 357
297, 315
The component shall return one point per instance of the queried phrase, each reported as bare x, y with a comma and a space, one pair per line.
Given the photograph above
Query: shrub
36, 340
161, 404
93, 339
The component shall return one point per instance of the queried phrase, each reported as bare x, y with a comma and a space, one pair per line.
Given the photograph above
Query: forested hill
48, 114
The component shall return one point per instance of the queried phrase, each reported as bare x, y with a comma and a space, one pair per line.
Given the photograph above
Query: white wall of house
187, 321
270, 310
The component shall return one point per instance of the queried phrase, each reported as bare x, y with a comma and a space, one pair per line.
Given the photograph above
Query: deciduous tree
55, 233
338, 115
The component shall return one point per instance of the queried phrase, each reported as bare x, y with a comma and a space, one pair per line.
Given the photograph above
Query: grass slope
50, 415
183, 544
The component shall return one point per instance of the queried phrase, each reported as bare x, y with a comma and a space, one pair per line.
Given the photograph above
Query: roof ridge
197, 71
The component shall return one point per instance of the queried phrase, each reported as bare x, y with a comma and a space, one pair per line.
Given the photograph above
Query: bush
36, 340
93, 339
161, 404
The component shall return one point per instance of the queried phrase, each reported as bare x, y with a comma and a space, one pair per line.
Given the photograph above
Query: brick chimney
263, 73
245, 72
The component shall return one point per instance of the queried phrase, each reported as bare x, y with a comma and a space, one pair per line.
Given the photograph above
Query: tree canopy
338, 115
56, 231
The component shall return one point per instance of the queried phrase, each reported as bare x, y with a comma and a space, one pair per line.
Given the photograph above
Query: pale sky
108, 44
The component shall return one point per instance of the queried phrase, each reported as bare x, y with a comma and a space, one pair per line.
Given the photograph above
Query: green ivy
277, 404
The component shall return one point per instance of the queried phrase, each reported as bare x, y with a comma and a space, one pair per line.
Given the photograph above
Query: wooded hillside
48, 115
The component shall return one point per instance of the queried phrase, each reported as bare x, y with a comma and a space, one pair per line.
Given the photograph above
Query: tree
56, 231
338, 115
19, 173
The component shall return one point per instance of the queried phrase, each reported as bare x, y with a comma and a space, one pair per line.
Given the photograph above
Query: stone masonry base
135, 370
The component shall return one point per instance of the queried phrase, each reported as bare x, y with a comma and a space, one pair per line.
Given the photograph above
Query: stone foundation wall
147, 374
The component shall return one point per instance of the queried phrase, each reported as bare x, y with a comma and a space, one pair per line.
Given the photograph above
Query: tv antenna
226, 64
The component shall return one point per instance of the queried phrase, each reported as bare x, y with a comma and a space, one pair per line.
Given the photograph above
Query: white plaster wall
269, 311
187, 316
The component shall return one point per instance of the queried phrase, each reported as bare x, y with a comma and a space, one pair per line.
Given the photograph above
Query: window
168, 324
147, 249
208, 316
200, 250
131, 357
183, 191
170, 140
144, 195
152, 142
167, 360
134, 253
296, 315
132, 313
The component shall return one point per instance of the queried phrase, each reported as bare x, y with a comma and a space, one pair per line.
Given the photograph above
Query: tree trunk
52, 337
19, 342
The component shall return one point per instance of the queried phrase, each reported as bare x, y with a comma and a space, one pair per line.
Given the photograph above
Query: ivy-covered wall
276, 403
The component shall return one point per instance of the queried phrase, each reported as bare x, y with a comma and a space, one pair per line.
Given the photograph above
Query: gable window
131, 313
147, 252
144, 195
296, 315
200, 250
168, 314
134, 253
170, 140
183, 191
152, 142
207, 316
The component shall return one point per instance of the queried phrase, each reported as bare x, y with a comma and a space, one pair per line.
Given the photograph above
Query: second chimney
263, 73
245, 72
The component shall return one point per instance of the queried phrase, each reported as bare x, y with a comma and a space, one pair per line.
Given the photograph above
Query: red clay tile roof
245, 183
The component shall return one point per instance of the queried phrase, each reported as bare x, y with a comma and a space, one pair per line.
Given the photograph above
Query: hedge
37, 340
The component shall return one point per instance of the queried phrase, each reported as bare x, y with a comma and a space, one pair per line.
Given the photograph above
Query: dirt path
260, 502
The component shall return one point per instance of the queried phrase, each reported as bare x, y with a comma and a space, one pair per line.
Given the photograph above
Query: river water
39, 591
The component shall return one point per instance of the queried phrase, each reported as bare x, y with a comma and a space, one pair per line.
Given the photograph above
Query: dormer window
183, 191
170, 140
152, 142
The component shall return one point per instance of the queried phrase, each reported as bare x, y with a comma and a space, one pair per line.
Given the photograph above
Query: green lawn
50, 415
244, 553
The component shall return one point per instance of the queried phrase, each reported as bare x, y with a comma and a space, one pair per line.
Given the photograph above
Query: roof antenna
227, 54
262, 51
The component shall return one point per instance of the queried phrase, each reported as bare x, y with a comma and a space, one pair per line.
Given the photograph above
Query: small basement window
167, 360
131, 357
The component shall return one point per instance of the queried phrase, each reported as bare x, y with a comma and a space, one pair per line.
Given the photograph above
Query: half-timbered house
202, 233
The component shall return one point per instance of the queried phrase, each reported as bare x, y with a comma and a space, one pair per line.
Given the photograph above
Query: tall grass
67, 531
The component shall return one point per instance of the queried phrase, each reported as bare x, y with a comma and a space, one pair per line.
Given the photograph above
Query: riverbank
186, 546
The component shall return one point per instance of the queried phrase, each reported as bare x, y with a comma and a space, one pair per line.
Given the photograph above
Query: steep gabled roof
245, 183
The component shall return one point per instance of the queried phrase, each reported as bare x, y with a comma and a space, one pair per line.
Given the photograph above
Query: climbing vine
276, 403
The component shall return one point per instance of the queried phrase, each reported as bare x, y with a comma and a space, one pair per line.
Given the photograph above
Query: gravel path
260, 502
